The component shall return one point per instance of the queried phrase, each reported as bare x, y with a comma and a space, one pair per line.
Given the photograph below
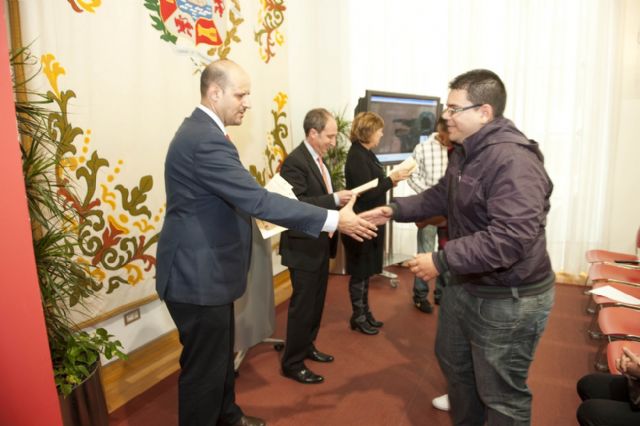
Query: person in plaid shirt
431, 159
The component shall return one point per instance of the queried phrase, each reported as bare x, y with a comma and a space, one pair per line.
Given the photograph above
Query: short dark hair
215, 72
316, 119
483, 87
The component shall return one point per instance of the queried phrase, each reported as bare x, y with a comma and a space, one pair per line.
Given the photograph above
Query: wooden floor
123, 380
387, 379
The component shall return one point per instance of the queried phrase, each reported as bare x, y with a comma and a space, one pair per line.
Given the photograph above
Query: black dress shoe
318, 356
304, 375
250, 421
363, 327
373, 322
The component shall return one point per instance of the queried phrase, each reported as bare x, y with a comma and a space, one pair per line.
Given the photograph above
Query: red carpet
388, 379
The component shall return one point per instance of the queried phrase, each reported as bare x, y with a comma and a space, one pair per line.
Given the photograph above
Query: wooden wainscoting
565, 278
147, 365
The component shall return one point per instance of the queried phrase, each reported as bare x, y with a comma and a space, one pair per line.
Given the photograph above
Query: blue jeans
426, 240
484, 348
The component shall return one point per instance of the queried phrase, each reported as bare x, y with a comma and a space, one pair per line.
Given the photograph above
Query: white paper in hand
280, 186
365, 186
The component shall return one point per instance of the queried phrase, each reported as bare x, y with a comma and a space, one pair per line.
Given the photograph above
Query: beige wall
624, 208
318, 59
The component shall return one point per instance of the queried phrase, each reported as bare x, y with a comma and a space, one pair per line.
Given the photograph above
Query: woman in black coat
364, 259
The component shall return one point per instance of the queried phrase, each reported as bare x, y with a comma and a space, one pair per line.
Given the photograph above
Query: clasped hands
361, 226
629, 363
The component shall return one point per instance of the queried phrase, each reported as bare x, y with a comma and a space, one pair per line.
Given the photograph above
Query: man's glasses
454, 111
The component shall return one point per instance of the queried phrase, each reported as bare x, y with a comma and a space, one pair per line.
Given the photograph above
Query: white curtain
560, 62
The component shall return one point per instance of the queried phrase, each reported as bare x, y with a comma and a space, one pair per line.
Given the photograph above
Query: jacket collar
212, 115
499, 130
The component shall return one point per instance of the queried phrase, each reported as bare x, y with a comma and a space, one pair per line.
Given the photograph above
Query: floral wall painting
275, 152
117, 230
80, 6
270, 20
117, 95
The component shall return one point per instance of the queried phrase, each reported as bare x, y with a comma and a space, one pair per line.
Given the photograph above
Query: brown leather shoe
303, 375
250, 421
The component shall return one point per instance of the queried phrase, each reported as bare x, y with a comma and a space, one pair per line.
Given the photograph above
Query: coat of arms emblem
208, 24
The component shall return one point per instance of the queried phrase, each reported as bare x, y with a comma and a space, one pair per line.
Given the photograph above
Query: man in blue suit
204, 247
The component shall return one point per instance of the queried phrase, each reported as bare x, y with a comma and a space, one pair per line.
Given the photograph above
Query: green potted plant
65, 282
336, 157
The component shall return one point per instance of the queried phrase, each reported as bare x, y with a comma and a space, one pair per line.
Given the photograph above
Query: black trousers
605, 401
206, 387
305, 313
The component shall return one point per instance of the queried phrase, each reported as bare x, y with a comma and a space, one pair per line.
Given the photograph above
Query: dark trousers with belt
206, 387
305, 313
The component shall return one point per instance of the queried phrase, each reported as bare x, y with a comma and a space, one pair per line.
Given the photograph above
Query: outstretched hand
378, 216
353, 225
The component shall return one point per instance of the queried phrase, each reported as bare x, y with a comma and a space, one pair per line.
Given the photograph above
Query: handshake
360, 226
363, 226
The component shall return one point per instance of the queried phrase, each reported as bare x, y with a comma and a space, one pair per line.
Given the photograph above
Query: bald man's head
225, 89
217, 72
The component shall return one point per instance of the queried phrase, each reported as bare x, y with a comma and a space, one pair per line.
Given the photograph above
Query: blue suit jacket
205, 244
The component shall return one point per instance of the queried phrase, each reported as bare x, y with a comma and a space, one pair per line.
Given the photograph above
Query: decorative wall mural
270, 18
206, 26
115, 126
116, 229
82, 5
275, 151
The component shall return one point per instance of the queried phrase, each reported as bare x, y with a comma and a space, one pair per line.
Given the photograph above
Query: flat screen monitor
408, 119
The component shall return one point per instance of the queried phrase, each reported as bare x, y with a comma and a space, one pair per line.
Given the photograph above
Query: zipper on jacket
453, 192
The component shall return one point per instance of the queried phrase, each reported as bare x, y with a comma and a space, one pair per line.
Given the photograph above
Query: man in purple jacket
495, 194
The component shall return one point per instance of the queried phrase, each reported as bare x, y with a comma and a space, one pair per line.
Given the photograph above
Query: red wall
27, 391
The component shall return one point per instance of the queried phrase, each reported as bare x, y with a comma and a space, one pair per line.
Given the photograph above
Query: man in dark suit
308, 257
204, 247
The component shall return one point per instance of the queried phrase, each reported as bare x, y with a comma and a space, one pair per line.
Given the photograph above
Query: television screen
408, 119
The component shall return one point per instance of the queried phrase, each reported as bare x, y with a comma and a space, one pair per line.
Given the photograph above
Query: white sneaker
441, 402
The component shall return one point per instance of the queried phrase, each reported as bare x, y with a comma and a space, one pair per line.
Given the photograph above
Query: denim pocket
499, 313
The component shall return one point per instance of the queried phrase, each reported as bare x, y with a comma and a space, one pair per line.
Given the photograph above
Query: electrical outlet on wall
131, 316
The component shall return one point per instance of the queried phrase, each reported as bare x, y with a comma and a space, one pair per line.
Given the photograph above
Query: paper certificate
409, 165
616, 295
365, 186
280, 186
